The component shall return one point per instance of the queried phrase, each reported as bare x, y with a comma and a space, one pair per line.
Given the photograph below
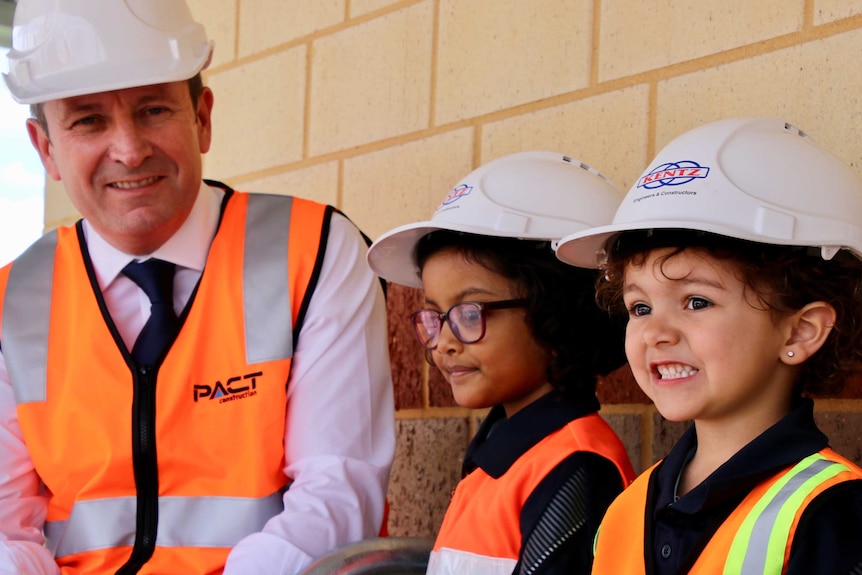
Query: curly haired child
737, 259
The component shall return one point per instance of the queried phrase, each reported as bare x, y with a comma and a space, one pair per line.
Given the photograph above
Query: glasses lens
427, 324
467, 321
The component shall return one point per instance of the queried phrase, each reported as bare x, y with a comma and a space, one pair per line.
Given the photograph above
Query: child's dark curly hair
561, 312
783, 278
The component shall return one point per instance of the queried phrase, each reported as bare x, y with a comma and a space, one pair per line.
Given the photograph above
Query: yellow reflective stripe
760, 543
596, 539
784, 521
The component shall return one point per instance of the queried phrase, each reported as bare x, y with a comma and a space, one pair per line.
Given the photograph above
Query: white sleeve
340, 429
23, 505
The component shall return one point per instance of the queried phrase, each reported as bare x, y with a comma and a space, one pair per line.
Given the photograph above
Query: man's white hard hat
64, 48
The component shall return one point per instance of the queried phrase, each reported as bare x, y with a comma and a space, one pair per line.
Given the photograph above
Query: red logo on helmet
455, 193
673, 174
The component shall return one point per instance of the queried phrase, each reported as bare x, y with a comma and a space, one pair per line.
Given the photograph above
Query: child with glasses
737, 259
513, 329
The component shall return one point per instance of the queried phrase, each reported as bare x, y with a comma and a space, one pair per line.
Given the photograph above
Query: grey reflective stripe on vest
760, 544
266, 296
183, 522
266, 299
26, 319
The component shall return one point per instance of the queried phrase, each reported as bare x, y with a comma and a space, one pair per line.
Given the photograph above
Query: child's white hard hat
539, 196
754, 179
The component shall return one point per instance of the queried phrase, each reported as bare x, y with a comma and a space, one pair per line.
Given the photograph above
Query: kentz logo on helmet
673, 174
455, 193
231, 390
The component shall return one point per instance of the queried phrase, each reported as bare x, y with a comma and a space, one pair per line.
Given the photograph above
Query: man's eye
86, 121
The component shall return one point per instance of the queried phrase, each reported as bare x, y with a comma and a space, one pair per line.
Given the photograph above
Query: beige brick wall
378, 106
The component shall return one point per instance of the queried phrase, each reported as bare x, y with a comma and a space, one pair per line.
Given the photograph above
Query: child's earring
790, 353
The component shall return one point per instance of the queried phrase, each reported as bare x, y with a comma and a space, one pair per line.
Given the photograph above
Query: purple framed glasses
466, 320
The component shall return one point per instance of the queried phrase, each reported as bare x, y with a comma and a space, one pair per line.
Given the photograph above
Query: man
242, 423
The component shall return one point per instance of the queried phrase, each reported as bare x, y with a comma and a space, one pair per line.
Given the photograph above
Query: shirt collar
501, 441
187, 248
788, 441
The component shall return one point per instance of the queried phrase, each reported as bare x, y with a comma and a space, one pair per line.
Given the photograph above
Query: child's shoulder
826, 539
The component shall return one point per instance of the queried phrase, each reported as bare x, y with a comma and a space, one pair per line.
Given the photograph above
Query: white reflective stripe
266, 301
266, 298
760, 544
183, 522
27, 318
447, 561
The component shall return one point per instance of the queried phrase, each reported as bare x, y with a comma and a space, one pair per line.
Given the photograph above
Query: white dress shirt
340, 429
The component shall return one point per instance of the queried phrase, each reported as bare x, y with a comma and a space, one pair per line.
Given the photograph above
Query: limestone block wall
379, 106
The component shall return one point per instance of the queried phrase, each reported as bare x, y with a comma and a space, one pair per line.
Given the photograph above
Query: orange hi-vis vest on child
481, 534
167, 467
756, 537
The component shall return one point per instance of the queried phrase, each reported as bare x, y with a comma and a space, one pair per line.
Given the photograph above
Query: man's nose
129, 144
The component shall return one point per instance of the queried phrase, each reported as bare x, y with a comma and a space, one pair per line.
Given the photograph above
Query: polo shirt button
665, 551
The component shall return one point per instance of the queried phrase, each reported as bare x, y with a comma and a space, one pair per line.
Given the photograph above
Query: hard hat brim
587, 249
80, 83
393, 255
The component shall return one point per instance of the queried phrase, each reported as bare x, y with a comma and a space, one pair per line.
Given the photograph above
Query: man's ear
808, 329
40, 140
204, 119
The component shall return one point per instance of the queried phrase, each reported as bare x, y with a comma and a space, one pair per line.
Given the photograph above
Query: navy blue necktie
156, 278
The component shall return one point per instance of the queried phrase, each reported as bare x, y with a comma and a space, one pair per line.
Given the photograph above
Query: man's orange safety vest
756, 537
166, 468
481, 532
